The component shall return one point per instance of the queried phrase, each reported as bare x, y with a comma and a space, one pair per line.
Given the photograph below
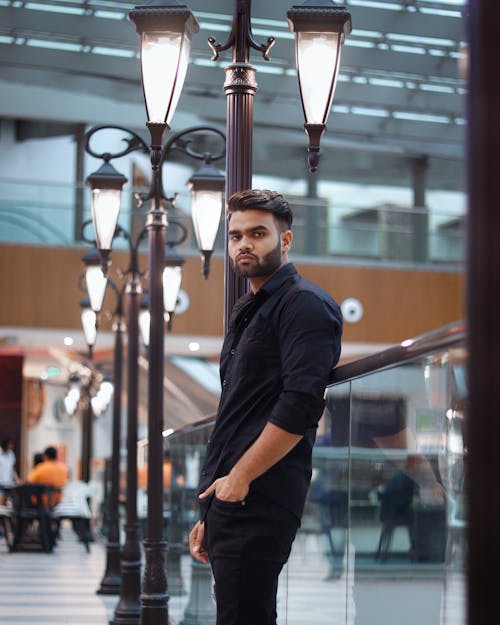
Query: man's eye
235, 237
258, 234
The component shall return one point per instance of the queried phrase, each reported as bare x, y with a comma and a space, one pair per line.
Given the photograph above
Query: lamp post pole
89, 323
240, 87
111, 581
127, 611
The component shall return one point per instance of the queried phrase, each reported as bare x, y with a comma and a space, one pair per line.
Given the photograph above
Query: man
283, 340
51, 472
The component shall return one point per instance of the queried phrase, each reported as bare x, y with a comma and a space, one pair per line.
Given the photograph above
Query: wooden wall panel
38, 288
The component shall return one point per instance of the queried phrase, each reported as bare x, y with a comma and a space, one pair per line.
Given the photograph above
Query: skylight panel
54, 45
421, 117
113, 52
4, 39
359, 43
396, 47
340, 108
425, 41
387, 82
371, 112
373, 4
437, 88
110, 15
440, 12
55, 8
374, 34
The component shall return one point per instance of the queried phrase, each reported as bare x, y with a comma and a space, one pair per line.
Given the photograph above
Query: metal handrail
445, 337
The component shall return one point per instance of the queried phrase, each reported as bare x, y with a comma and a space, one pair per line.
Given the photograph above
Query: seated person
51, 472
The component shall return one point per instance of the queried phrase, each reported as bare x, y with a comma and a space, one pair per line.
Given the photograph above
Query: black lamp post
96, 281
320, 26
164, 273
166, 40
128, 608
89, 325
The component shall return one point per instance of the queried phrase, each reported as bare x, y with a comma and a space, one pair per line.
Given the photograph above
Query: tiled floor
57, 588
60, 589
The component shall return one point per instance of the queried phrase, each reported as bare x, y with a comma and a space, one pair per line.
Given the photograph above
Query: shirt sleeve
310, 330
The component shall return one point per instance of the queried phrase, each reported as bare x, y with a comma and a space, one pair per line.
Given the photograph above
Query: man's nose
245, 244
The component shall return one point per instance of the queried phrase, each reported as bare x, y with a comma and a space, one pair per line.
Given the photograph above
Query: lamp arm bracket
180, 143
182, 234
85, 238
133, 267
80, 283
134, 143
262, 47
118, 312
217, 48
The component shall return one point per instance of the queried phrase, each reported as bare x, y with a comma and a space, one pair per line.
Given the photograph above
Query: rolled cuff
297, 412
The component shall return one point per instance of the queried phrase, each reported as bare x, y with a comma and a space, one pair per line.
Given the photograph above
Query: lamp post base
112, 579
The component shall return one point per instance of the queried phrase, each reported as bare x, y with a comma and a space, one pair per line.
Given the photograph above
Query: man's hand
196, 545
231, 487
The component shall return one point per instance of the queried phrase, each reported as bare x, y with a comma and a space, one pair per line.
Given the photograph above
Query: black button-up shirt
280, 347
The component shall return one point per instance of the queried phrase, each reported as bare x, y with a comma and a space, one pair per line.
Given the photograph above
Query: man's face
257, 248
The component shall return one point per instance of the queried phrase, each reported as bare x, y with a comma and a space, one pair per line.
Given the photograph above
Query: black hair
262, 200
50, 453
5, 443
37, 458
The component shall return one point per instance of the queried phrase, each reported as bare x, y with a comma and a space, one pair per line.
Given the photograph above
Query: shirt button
203, 473
233, 352
223, 382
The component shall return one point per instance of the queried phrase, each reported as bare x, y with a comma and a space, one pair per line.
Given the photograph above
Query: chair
33, 517
6, 524
74, 506
395, 510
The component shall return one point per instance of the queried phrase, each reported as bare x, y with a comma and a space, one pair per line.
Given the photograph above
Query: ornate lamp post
320, 26
165, 44
164, 273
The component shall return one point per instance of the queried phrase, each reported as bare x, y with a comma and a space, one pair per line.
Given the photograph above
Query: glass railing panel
315, 586
383, 535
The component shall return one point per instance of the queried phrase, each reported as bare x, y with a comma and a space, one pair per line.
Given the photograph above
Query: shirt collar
279, 278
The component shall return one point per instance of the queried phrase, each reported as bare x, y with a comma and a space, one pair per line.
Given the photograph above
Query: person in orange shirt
51, 472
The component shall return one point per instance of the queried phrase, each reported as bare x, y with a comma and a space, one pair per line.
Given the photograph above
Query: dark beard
269, 264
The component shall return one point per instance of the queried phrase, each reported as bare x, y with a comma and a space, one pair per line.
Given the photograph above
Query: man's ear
286, 240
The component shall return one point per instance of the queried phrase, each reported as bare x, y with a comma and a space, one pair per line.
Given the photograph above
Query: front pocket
235, 505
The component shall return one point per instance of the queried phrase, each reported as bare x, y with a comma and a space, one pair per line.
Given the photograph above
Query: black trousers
248, 543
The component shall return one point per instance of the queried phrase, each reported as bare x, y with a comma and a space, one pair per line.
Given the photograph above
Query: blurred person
51, 472
282, 343
37, 459
8, 475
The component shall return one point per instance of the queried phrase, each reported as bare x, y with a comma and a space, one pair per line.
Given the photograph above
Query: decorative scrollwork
134, 143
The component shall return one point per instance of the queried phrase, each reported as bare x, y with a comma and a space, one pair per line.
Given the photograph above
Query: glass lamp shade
166, 29
318, 57
145, 321
206, 207
95, 279
207, 195
172, 278
89, 322
106, 184
320, 27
